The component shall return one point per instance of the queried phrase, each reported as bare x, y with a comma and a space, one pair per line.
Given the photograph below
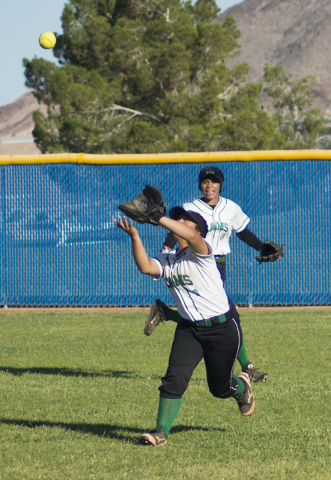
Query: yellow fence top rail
165, 158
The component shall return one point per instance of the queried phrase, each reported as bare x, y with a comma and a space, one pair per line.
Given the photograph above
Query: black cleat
154, 438
254, 374
156, 316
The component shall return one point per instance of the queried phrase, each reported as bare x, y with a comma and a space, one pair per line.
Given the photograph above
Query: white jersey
224, 218
194, 282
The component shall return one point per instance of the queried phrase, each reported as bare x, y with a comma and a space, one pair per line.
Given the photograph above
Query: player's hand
126, 226
164, 249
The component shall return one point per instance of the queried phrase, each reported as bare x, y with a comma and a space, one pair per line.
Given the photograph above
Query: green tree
147, 76
290, 103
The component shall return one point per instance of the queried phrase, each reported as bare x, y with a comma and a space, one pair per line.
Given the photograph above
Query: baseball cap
176, 212
211, 172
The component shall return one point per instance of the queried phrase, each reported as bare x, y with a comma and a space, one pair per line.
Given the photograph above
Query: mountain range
292, 33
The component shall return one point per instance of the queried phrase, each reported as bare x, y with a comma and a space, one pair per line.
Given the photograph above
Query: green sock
172, 315
168, 411
242, 355
241, 386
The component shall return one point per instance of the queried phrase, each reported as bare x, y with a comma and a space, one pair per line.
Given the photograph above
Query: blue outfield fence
59, 245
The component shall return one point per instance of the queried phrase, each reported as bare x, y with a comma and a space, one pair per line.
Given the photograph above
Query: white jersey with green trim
224, 218
194, 282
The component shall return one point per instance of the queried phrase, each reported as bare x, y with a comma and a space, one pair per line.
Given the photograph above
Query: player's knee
175, 381
223, 391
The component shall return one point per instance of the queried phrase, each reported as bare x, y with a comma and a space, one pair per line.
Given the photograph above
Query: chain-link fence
59, 245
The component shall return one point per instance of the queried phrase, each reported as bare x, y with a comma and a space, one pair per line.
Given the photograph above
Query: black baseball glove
149, 207
270, 252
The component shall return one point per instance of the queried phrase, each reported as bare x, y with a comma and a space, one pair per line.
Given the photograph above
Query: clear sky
21, 23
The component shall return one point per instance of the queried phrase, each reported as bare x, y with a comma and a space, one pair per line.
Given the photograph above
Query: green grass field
78, 389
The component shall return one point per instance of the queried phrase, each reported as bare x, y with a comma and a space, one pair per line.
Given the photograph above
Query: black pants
217, 345
221, 269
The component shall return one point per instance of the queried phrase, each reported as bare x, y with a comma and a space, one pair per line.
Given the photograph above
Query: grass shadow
98, 429
67, 372
187, 428
115, 432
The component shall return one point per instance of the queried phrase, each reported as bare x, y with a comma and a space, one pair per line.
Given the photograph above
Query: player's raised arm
186, 229
187, 226
149, 207
143, 262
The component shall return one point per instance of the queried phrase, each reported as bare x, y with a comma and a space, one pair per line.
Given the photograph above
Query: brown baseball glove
270, 252
149, 207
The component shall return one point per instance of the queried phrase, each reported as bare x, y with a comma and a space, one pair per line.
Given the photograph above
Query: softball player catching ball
222, 217
206, 329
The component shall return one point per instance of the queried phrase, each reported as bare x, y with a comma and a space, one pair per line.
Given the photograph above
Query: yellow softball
47, 40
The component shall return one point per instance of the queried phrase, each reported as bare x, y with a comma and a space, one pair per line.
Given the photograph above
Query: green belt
211, 321
220, 258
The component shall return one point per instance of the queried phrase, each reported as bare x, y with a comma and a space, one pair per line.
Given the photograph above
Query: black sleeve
248, 237
170, 241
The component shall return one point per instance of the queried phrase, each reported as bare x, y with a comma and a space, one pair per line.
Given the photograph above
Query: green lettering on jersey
187, 280
176, 282
219, 226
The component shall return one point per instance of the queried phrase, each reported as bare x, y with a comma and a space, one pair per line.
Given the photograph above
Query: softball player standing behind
222, 217
206, 330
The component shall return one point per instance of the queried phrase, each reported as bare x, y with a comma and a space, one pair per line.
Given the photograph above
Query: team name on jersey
219, 226
177, 281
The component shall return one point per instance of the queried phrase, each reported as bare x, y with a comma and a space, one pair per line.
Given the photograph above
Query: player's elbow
145, 270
